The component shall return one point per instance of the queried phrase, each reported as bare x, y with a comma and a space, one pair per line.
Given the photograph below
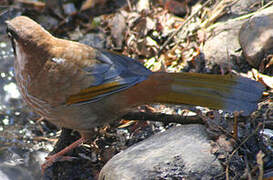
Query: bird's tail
227, 92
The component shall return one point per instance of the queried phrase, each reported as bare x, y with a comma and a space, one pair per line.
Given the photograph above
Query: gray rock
118, 27
241, 7
93, 39
10, 172
179, 152
256, 36
222, 47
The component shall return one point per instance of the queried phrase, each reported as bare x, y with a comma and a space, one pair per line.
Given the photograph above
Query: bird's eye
11, 34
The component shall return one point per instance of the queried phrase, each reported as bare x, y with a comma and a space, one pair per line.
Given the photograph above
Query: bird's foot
50, 160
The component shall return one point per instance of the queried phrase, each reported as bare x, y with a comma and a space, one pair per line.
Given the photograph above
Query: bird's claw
50, 160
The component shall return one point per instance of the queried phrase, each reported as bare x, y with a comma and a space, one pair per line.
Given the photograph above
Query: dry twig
166, 118
240, 145
181, 27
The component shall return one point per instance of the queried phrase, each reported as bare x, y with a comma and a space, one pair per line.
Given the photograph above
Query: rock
11, 172
118, 27
93, 39
256, 36
241, 7
179, 152
267, 139
69, 8
222, 48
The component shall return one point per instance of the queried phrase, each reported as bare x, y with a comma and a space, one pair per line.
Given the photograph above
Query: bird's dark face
13, 37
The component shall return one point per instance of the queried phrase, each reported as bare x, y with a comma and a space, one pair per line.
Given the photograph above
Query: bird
80, 87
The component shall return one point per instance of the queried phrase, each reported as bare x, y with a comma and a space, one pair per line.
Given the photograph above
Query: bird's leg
59, 156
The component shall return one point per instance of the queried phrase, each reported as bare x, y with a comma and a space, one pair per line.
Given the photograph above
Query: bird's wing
112, 74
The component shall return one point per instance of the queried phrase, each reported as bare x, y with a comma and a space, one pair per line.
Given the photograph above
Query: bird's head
26, 33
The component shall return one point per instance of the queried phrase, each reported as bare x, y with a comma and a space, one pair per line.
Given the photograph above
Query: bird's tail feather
227, 92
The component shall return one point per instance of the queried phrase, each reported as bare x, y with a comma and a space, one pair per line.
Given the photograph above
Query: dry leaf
265, 79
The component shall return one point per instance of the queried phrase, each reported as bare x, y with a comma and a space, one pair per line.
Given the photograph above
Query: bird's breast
25, 79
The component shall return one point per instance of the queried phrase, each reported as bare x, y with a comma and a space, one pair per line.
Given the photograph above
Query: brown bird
79, 87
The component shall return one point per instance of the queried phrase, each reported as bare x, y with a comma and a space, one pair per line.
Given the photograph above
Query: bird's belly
84, 117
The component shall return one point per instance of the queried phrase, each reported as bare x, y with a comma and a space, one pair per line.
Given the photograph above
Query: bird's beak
7, 23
